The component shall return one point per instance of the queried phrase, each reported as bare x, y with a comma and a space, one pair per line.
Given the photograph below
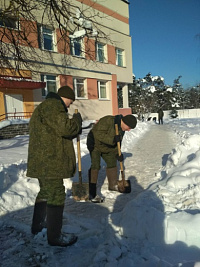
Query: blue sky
164, 39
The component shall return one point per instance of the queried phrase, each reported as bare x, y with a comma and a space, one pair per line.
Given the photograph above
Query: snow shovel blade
124, 186
80, 191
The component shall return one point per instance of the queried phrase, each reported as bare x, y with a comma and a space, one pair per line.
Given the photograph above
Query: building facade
96, 61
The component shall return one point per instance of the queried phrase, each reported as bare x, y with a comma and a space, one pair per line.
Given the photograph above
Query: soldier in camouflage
51, 157
102, 142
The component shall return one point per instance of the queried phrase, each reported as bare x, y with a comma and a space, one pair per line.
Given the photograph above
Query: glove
120, 158
78, 116
117, 138
80, 132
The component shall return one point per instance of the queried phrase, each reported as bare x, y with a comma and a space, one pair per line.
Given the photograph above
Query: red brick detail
92, 89
111, 54
63, 42
125, 111
90, 49
66, 80
114, 94
27, 36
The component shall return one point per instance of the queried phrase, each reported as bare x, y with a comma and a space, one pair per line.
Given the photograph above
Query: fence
182, 114
16, 115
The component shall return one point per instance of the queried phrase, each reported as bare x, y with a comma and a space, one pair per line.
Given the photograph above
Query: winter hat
67, 92
130, 120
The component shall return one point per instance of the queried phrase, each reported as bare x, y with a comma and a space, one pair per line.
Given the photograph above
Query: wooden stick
79, 153
119, 153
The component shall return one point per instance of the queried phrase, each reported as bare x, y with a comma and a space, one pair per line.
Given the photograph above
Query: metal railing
15, 115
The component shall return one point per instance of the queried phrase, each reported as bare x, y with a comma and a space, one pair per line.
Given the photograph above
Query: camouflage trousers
109, 158
52, 190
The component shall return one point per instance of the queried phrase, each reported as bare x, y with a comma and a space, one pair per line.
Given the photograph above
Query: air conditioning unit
78, 34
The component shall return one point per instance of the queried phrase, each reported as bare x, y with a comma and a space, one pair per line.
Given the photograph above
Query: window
102, 90
76, 47
79, 87
51, 85
100, 52
119, 57
8, 22
120, 95
46, 38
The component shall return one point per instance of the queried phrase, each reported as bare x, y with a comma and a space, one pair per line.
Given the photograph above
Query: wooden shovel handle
78, 148
118, 146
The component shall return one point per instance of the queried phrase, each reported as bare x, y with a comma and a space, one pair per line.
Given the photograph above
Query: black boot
93, 176
39, 215
54, 226
92, 190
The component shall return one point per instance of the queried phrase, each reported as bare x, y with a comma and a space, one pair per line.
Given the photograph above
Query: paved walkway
142, 169
151, 152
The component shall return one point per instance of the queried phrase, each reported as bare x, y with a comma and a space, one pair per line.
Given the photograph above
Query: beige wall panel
92, 109
114, 6
37, 97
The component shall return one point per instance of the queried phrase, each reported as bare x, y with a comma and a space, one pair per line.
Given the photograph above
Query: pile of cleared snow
17, 191
168, 212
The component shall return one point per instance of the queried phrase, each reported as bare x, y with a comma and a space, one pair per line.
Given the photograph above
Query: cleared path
142, 168
151, 152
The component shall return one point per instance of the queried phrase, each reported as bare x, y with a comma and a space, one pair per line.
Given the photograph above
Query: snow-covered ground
156, 225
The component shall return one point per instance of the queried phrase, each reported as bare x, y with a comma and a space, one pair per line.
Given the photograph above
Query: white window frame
72, 48
45, 79
52, 34
105, 85
100, 47
120, 53
76, 83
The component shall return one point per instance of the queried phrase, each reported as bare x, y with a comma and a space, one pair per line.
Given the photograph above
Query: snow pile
17, 191
166, 216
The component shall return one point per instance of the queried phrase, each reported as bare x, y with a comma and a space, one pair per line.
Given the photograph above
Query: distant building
99, 77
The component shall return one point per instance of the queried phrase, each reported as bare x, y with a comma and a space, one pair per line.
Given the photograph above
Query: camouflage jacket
102, 134
51, 152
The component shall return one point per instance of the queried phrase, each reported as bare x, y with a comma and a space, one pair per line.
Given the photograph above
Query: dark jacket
102, 134
51, 152
160, 113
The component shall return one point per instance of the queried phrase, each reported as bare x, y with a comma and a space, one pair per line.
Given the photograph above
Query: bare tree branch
19, 29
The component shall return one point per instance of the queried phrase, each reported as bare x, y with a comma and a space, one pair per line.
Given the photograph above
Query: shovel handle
78, 149
118, 147
119, 152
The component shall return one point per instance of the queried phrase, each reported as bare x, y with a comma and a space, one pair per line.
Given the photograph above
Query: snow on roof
19, 79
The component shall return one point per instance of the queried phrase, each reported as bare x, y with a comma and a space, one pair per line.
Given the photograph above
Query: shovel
124, 186
80, 190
